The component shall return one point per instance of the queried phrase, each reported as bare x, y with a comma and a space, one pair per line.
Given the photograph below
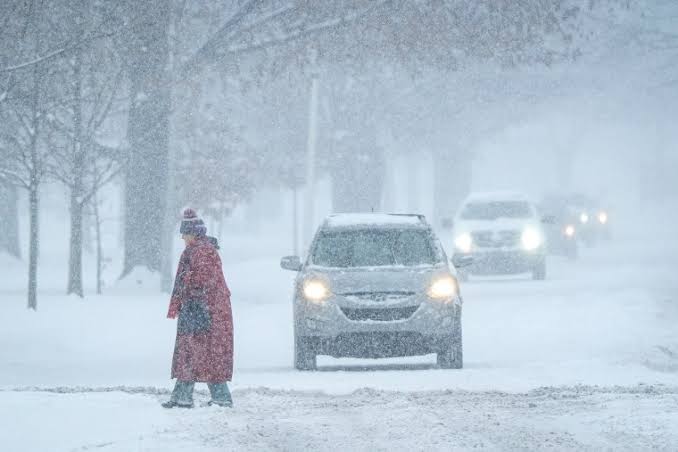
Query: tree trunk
97, 225
75, 261
77, 189
452, 172
34, 241
9, 220
33, 192
148, 136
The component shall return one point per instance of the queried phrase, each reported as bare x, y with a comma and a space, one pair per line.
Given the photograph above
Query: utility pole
295, 222
309, 210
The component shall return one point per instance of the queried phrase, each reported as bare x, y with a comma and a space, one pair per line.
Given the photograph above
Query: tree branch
201, 54
101, 180
67, 46
307, 31
34, 61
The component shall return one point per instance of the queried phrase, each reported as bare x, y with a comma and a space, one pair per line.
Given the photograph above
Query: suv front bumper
428, 330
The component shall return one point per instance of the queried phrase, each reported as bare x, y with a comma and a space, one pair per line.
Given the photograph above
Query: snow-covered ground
585, 360
566, 418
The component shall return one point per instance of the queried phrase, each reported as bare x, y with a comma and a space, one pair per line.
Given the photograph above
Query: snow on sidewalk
130, 419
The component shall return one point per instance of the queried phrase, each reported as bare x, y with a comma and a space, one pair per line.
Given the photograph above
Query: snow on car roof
373, 219
491, 196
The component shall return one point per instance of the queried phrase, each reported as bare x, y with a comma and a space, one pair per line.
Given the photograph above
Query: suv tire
452, 355
539, 271
304, 353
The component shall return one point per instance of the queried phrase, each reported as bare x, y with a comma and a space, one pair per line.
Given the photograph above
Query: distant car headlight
602, 217
464, 242
443, 287
569, 230
316, 290
531, 239
584, 218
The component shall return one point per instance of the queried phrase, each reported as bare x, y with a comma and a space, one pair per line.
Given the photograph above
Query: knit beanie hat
192, 224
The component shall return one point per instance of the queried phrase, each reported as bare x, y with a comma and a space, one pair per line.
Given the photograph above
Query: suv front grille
378, 297
500, 239
379, 315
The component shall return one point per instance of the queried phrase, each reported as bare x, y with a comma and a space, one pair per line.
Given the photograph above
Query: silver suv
375, 286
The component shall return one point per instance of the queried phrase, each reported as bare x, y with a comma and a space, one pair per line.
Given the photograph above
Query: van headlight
444, 287
602, 217
584, 218
316, 290
531, 239
464, 242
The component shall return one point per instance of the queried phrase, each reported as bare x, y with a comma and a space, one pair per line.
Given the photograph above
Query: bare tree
24, 164
42, 117
245, 26
412, 38
22, 114
84, 166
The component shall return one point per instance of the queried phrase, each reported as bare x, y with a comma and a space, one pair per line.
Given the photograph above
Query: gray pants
183, 393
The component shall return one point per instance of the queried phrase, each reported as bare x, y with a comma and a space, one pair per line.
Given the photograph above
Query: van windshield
374, 248
495, 210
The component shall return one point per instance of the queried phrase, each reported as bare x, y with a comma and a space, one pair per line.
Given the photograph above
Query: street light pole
309, 211
295, 222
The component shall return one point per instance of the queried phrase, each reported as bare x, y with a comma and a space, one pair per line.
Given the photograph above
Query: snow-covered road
585, 360
567, 418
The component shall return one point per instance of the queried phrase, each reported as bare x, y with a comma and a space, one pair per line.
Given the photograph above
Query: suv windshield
374, 248
496, 210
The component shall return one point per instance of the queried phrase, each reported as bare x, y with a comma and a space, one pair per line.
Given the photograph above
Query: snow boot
220, 404
173, 404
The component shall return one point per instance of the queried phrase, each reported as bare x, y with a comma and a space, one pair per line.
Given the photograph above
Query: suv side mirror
447, 223
461, 261
291, 263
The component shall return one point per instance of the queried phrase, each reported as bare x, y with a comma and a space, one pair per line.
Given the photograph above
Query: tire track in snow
553, 391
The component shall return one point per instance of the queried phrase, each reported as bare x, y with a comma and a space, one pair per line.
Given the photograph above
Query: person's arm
174, 307
204, 263
177, 291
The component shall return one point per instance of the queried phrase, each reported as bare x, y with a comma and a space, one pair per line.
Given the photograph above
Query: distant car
593, 219
562, 228
502, 233
375, 286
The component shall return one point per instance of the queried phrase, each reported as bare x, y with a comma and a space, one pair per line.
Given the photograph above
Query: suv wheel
304, 353
452, 355
539, 271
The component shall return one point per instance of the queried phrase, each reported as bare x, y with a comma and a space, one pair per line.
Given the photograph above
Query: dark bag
194, 317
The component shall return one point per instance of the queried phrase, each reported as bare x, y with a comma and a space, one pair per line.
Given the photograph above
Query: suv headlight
443, 287
464, 242
531, 239
584, 217
569, 230
316, 290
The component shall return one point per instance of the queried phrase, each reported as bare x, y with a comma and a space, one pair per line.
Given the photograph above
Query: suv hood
502, 224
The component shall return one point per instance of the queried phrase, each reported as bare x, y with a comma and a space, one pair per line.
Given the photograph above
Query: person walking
201, 303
